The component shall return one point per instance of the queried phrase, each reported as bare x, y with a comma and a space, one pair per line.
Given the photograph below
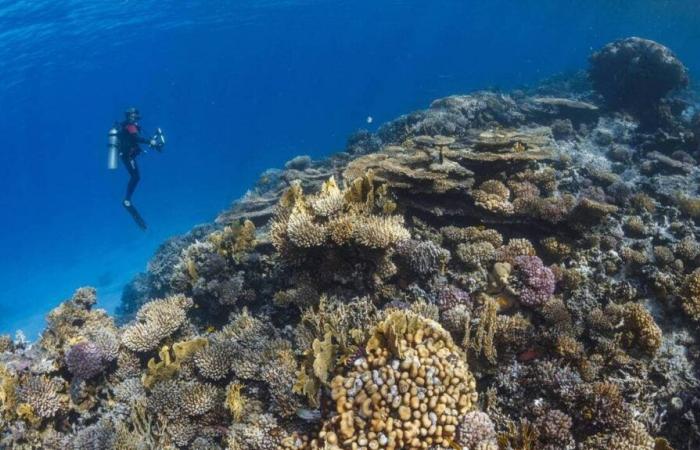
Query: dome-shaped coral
85, 360
155, 321
214, 360
410, 391
636, 72
474, 428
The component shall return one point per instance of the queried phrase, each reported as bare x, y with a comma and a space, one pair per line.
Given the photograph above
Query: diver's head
132, 115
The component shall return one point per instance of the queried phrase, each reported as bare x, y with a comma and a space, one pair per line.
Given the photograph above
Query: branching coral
214, 360
475, 428
534, 281
423, 257
40, 396
234, 240
156, 321
690, 299
334, 217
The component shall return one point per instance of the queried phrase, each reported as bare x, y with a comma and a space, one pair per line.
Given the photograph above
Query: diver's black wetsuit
129, 139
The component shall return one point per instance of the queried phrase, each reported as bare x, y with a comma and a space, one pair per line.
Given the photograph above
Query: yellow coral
690, 298
167, 367
642, 328
235, 401
413, 352
493, 196
358, 214
234, 240
8, 400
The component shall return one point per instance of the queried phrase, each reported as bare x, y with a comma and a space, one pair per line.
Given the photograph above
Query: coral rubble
499, 271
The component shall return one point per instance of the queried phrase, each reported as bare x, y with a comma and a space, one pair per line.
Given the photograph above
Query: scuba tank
112, 148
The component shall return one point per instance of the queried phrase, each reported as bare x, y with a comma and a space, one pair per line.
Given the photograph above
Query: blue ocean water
238, 86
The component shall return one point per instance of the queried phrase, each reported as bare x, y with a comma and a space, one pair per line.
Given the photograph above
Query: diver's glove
152, 143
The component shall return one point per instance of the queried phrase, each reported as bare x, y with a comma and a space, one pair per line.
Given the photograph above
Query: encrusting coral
547, 236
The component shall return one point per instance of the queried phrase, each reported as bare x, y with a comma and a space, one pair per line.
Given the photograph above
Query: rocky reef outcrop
499, 271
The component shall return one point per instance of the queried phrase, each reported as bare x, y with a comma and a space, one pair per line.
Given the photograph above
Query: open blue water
238, 86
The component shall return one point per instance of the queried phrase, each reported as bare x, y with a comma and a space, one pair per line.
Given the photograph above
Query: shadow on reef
498, 271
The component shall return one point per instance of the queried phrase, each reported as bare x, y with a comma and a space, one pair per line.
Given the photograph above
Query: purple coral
475, 427
536, 281
85, 360
451, 296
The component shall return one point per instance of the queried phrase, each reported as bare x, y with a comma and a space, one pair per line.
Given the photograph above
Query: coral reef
499, 271
636, 73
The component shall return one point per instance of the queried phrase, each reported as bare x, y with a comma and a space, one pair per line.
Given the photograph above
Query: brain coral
155, 321
410, 391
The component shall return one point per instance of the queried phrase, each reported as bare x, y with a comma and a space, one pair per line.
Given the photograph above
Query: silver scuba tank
112, 148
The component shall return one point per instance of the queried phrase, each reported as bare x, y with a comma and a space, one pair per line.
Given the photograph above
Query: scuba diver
125, 139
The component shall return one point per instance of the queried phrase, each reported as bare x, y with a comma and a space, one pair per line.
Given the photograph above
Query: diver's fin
135, 214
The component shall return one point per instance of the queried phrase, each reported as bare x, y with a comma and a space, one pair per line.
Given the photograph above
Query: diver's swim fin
135, 214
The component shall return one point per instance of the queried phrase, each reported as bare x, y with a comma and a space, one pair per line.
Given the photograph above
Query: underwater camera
158, 140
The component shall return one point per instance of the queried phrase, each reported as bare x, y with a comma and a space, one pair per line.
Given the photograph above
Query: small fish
370, 119
528, 355
310, 415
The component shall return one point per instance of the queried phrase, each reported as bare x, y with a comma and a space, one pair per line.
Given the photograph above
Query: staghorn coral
632, 436
554, 429
258, 433
641, 328
514, 248
197, 399
156, 321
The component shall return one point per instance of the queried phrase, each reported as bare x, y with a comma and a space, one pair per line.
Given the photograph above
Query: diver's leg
134, 179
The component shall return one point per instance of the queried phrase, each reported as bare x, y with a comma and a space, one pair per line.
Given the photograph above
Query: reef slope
499, 271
